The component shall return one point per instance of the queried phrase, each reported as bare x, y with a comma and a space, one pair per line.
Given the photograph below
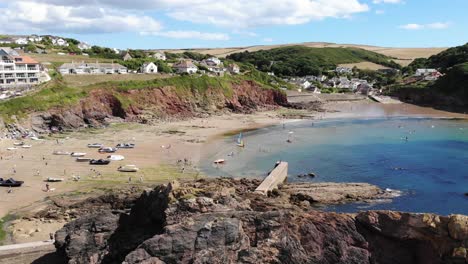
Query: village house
18, 70
233, 68
424, 72
185, 66
60, 42
21, 41
343, 70
159, 56
127, 56
212, 61
428, 74
7, 41
92, 68
149, 68
84, 46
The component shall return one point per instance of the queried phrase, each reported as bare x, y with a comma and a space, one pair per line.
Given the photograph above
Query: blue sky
209, 23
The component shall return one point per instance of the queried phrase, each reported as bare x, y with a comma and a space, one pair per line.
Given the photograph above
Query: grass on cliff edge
58, 93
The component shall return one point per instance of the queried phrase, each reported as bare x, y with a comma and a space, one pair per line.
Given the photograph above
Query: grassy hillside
443, 61
455, 82
300, 61
59, 93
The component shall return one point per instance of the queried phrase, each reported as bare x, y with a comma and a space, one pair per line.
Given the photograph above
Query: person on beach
47, 187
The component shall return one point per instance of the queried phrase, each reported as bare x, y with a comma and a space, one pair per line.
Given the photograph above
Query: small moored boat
95, 145
18, 143
125, 145
128, 168
107, 150
58, 152
50, 179
116, 157
81, 159
10, 183
78, 154
12, 148
26, 146
99, 162
219, 161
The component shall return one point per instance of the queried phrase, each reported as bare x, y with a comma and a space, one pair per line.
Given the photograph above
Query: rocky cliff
145, 105
223, 221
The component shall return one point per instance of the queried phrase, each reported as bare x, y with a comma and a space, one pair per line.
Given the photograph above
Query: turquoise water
430, 168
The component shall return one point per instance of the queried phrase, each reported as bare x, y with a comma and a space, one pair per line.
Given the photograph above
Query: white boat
58, 152
35, 138
50, 179
107, 150
95, 145
128, 168
83, 159
219, 161
78, 154
116, 157
18, 143
26, 146
12, 148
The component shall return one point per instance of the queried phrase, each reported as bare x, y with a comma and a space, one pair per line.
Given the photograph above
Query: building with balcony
18, 70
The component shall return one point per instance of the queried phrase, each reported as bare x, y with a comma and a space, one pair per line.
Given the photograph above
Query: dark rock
225, 222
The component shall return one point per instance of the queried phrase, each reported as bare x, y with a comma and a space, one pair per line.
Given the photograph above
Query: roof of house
92, 65
25, 60
146, 64
184, 64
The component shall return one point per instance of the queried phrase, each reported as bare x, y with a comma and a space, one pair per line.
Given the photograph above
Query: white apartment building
18, 70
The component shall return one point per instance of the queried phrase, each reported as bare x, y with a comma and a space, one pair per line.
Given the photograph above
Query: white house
185, 66
59, 42
84, 46
343, 70
233, 68
21, 41
35, 38
159, 56
149, 68
213, 61
424, 72
92, 68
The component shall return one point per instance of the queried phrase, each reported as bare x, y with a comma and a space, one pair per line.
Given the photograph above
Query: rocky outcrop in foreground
223, 221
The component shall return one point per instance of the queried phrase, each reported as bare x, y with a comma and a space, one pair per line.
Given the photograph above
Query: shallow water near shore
426, 159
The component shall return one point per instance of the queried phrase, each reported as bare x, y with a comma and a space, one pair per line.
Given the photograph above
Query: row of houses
311, 82
92, 68
428, 74
18, 70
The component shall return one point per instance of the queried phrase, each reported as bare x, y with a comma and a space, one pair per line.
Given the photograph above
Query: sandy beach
158, 148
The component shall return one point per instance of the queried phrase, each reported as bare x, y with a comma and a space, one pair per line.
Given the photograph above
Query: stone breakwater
224, 221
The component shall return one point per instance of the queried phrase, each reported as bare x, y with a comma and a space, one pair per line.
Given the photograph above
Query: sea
424, 160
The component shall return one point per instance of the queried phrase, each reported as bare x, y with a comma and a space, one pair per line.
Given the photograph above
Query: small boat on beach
18, 143
63, 153
95, 145
12, 148
26, 146
115, 157
240, 141
99, 162
125, 145
128, 168
78, 154
10, 183
107, 150
219, 161
81, 159
50, 179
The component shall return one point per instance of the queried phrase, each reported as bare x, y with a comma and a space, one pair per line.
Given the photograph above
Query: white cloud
387, 1
40, 17
191, 35
246, 13
268, 40
436, 25
233, 13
